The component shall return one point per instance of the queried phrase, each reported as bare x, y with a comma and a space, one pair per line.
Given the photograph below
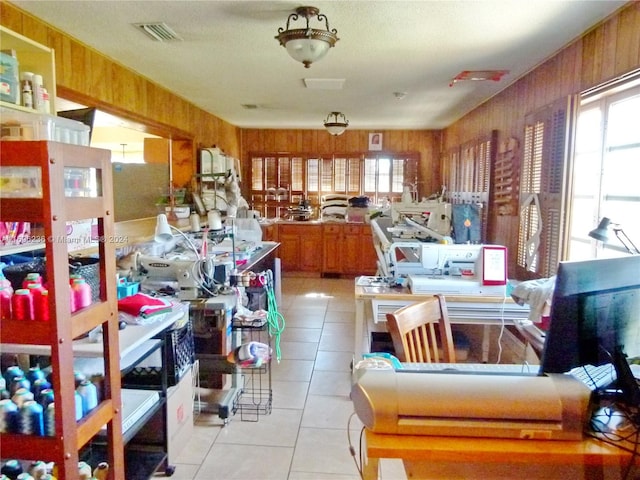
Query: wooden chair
413, 331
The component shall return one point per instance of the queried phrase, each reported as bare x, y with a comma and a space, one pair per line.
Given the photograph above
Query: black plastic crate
179, 356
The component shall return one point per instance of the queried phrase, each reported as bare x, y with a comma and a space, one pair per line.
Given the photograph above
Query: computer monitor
595, 319
83, 115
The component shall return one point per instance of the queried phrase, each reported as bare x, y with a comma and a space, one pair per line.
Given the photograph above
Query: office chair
413, 331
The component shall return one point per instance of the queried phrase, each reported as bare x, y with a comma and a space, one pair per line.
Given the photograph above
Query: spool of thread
101, 472
32, 417
89, 395
81, 293
36, 290
38, 469
78, 378
32, 277
50, 420
11, 372
19, 382
35, 373
21, 396
46, 397
72, 300
9, 416
41, 306
84, 471
214, 220
5, 303
38, 386
22, 305
194, 221
5, 283
11, 468
78, 400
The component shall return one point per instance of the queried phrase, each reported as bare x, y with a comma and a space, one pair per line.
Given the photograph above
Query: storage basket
17, 272
180, 355
89, 269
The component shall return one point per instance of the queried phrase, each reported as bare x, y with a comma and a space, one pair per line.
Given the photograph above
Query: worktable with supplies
463, 309
432, 457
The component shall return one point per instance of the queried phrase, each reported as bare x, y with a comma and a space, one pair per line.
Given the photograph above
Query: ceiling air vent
158, 31
479, 76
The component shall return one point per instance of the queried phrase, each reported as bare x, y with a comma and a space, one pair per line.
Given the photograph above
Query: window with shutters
467, 173
606, 168
301, 176
542, 180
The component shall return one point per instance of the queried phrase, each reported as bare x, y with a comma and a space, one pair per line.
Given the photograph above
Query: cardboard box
179, 416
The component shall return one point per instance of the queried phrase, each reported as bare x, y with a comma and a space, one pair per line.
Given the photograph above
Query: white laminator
552, 407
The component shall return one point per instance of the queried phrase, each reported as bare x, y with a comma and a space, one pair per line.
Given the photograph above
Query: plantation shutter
542, 189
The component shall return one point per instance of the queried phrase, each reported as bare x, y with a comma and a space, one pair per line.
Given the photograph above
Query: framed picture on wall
375, 142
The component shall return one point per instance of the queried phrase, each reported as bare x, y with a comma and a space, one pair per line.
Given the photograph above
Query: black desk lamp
603, 233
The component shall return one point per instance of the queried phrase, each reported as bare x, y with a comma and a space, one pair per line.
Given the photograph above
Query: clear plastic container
77, 182
22, 182
19, 125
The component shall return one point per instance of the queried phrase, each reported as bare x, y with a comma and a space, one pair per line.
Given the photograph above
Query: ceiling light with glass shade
336, 123
306, 44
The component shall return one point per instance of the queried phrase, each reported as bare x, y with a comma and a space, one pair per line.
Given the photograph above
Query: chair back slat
414, 335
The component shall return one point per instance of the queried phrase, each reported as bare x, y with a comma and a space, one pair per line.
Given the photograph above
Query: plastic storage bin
19, 125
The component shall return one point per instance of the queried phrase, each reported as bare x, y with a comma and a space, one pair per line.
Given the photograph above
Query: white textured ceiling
229, 56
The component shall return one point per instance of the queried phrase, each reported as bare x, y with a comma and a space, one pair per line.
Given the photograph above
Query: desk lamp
163, 233
603, 233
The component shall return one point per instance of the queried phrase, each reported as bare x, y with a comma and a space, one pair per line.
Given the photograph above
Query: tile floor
306, 435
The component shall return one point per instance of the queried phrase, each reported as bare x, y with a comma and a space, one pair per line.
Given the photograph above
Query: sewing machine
159, 270
438, 267
434, 215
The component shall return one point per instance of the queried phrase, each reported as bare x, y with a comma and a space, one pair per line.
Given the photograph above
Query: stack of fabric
334, 207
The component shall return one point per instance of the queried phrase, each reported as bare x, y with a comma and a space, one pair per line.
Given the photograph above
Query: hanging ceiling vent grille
158, 31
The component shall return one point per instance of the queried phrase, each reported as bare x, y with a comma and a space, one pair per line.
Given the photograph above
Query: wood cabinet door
311, 252
289, 252
331, 248
352, 250
368, 254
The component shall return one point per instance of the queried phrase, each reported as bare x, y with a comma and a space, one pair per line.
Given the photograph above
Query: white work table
463, 309
134, 340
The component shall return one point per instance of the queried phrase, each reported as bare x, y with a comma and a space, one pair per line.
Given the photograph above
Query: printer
551, 407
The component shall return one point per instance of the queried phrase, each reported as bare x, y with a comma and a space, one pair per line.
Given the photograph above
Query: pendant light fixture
306, 44
336, 123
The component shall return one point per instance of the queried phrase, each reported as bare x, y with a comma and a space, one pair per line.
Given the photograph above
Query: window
377, 176
606, 169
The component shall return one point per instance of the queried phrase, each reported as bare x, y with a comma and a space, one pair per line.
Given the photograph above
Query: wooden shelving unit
53, 210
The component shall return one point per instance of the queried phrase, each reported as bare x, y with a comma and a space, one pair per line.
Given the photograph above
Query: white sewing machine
432, 214
186, 273
462, 269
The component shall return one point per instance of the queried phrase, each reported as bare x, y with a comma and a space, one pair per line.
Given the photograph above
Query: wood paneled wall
424, 142
87, 76
609, 50
606, 52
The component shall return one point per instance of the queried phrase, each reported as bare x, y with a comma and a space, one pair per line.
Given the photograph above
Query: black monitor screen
595, 315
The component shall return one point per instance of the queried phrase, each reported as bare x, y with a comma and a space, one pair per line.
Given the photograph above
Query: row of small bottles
33, 93
31, 302
27, 401
39, 470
